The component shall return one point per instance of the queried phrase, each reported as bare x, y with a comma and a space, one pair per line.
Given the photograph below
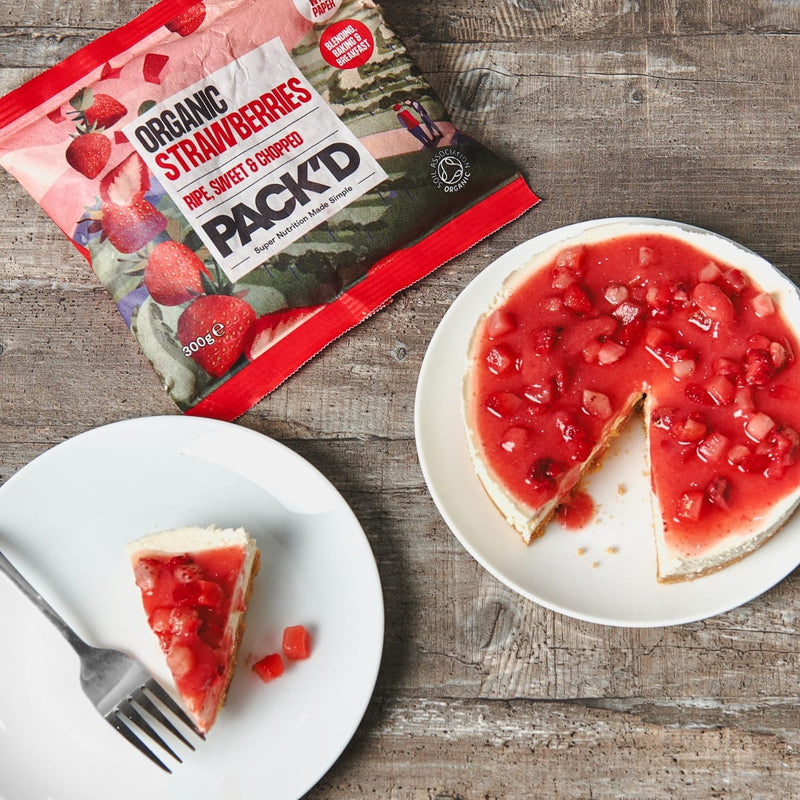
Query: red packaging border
389, 276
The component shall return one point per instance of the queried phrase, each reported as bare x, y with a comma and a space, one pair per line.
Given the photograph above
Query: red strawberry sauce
564, 355
187, 599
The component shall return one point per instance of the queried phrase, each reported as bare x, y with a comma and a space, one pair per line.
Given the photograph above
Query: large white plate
613, 588
64, 520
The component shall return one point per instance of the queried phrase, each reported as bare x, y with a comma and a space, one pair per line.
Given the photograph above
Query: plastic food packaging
249, 179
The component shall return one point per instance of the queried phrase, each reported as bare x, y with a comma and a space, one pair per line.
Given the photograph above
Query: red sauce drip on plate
579, 340
577, 511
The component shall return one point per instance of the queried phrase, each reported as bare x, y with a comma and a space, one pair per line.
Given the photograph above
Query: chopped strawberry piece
754, 463
684, 364
577, 441
759, 368
630, 333
729, 368
500, 360
514, 439
714, 303
700, 320
543, 474
735, 281
563, 276
690, 506
717, 492
782, 445
779, 354
551, 304
542, 391
648, 257
758, 425
709, 273
616, 293
500, 323
610, 353
762, 305
596, 404
296, 642
184, 620
577, 299
627, 312
269, 667
689, 430
544, 341
181, 660
721, 390
697, 394
503, 404
713, 448
572, 257
665, 417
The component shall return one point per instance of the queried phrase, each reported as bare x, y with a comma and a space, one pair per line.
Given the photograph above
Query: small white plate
64, 521
614, 581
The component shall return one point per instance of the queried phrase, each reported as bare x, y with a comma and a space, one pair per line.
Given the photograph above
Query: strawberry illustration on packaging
88, 153
174, 274
213, 330
188, 21
90, 149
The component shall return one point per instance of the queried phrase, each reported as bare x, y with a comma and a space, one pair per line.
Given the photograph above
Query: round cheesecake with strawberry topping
683, 324
195, 585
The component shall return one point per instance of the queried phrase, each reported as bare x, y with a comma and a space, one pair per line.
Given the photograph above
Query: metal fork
118, 685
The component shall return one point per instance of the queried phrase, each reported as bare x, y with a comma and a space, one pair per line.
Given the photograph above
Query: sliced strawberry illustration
126, 181
271, 327
130, 227
172, 275
89, 153
188, 21
213, 329
153, 65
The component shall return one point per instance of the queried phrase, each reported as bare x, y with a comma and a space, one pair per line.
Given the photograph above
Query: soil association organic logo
450, 169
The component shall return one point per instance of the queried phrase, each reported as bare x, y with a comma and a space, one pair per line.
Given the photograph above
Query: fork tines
127, 715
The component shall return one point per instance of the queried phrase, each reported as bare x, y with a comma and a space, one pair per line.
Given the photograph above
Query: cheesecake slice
675, 322
195, 584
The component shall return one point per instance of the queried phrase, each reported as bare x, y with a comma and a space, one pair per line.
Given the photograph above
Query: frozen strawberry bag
249, 179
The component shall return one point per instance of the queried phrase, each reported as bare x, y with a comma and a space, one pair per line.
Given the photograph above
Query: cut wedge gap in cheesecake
689, 321
195, 584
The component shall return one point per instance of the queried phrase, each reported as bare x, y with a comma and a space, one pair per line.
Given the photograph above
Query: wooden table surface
682, 109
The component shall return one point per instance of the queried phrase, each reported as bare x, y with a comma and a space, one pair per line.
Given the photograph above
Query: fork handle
75, 641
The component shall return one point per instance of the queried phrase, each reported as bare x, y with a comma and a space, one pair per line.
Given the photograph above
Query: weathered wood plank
551, 751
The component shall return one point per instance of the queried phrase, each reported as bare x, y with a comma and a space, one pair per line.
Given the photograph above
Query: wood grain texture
684, 109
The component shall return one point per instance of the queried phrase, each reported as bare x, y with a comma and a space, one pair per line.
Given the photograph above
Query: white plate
613, 588
64, 521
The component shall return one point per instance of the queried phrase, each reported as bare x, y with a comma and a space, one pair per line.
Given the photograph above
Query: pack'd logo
450, 169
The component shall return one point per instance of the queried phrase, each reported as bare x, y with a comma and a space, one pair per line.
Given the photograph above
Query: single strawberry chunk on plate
296, 642
269, 667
